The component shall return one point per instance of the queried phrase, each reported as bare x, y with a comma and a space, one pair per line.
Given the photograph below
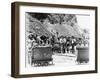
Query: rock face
63, 24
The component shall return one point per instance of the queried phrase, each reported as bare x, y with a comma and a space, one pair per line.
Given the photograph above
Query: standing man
73, 42
63, 44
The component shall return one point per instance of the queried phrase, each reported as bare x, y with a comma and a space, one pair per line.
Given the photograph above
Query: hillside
67, 26
35, 26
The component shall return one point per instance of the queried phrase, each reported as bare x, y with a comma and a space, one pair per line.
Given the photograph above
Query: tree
55, 18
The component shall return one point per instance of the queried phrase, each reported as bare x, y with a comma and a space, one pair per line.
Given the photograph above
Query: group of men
65, 43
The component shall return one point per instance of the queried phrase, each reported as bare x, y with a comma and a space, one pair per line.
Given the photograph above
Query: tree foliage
55, 18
